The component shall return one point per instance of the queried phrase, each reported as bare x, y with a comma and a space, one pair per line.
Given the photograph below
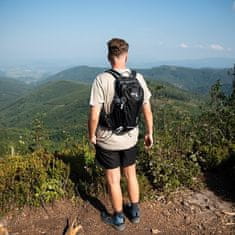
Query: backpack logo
135, 94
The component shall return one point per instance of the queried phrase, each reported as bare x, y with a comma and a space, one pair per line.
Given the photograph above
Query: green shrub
32, 180
167, 173
215, 130
87, 176
210, 157
145, 187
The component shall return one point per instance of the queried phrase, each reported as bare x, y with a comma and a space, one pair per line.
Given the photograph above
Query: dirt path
187, 213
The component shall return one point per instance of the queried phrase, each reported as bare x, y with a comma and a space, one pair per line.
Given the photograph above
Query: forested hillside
194, 80
61, 108
60, 103
84, 74
10, 90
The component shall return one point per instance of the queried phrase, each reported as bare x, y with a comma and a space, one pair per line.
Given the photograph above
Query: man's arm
93, 122
148, 117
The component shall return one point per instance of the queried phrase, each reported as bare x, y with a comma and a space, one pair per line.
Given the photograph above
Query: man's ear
108, 57
111, 59
126, 58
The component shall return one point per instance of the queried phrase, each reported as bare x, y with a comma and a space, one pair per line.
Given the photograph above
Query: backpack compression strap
117, 75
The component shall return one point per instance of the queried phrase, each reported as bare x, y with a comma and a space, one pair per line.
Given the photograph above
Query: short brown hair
116, 47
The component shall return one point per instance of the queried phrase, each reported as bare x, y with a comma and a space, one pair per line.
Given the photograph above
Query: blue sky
76, 30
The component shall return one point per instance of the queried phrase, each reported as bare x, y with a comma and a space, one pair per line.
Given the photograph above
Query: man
115, 151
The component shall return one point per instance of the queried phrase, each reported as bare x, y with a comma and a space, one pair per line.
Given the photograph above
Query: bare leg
132, 183
113, 177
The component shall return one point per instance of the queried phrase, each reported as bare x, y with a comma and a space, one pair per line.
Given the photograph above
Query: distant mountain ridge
63, 98
216, 62
64, 104
10, 90
61, 103
84, 74
195, 80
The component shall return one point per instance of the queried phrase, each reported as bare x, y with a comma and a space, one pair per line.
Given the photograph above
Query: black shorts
110, 159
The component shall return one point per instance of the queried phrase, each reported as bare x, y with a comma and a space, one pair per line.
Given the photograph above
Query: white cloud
213, 46
216, 47
183, 45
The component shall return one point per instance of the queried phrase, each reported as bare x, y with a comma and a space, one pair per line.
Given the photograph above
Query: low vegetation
33, 179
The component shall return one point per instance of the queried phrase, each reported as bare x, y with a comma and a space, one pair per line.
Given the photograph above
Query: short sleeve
147, 93
97, 93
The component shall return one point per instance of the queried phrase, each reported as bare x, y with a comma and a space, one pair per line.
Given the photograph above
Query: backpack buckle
119, 130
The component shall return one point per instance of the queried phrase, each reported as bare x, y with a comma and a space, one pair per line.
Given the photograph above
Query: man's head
117, 50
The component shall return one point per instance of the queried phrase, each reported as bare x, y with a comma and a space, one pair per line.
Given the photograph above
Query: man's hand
148, 140
92, 139
148, 117
93, 123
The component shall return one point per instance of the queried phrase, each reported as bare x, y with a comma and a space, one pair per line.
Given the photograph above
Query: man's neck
117, 66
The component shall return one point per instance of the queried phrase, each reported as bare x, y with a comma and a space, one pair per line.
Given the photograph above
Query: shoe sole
135, 220
120, 227
108, 220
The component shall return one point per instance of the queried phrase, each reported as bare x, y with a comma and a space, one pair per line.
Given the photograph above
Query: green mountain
64, 104
84, 74
58, 111
165, 90
62, 101
10, 90
195, 80
59, 104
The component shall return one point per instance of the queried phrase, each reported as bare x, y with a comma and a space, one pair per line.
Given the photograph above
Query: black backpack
126, 105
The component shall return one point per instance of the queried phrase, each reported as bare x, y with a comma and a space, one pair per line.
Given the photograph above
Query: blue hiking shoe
117, 220
132, 212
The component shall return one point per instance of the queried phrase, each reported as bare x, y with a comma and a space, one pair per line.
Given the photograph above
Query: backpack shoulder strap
114, 73
133, 74
118, 75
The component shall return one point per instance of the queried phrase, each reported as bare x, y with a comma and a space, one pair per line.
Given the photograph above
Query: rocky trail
186, 212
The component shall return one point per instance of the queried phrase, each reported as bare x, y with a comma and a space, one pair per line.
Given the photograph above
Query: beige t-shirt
102, 93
